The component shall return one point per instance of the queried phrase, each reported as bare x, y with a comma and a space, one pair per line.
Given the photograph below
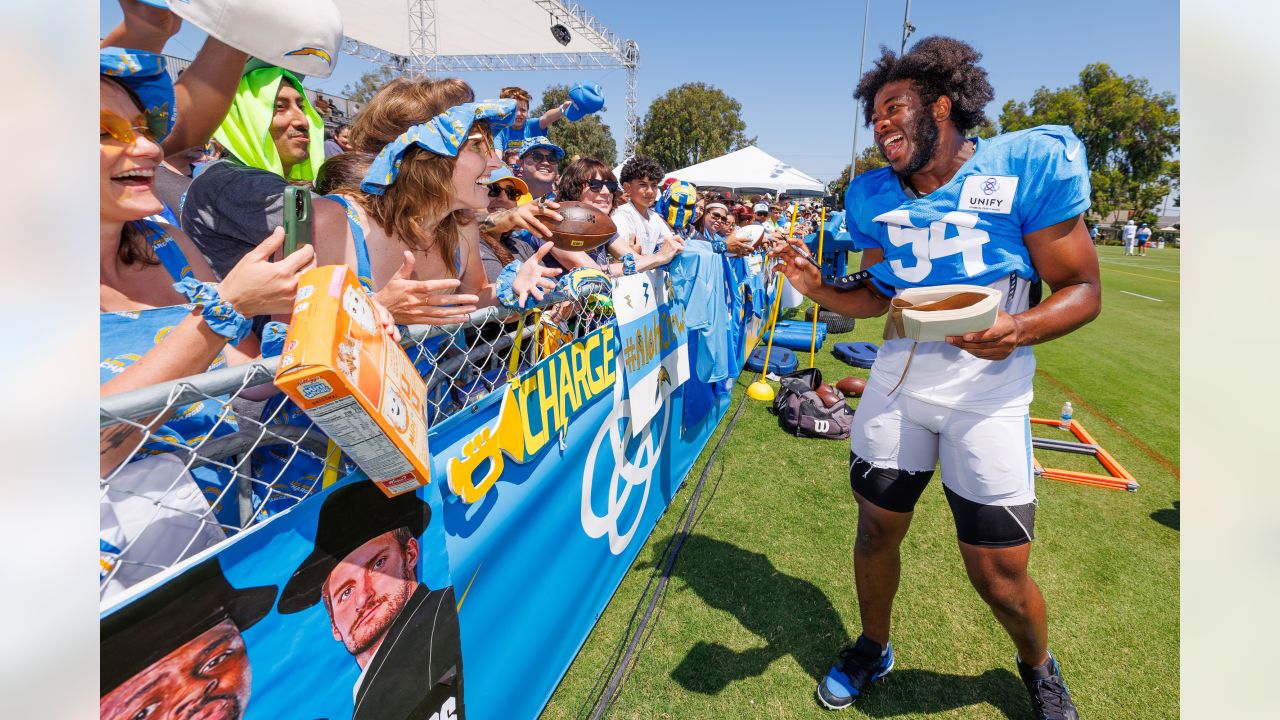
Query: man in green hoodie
273, 137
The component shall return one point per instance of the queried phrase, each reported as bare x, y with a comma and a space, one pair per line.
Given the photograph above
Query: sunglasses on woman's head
512, 193
150, 124
597, 184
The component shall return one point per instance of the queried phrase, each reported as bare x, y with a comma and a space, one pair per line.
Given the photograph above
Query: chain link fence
175, 497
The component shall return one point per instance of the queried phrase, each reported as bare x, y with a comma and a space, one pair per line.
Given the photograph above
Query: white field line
1141, 267
1145, 297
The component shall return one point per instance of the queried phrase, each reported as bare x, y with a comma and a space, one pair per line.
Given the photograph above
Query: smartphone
297, 218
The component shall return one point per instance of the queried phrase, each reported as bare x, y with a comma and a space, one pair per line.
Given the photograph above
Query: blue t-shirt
509, 138
970, 230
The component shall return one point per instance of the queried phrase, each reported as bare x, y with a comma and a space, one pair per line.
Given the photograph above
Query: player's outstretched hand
803, 275
995, 343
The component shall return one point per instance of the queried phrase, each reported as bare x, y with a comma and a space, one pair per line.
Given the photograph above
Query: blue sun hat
679, 204
584, 100
541, 141
444, 134
144, 73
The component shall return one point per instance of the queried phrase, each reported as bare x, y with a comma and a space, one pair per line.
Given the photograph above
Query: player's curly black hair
642, 167
937, 65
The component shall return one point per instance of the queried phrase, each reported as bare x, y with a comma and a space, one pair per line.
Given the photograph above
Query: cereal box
354, 382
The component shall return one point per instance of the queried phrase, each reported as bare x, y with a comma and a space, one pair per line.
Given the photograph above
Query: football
851, 386
583, 227
828, 395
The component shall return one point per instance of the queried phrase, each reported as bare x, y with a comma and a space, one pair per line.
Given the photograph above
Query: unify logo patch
988, 193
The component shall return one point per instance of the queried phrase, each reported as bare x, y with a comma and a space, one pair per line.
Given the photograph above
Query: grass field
762, 594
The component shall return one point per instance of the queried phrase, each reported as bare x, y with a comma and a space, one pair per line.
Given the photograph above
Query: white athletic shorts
984, 459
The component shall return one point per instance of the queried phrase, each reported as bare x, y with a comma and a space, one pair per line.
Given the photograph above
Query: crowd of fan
436, 200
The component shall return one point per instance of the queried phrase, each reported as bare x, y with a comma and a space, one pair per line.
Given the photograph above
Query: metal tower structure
607, 51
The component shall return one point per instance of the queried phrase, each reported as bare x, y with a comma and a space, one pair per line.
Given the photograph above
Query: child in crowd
641, 176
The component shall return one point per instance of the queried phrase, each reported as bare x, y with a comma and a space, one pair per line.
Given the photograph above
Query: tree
869, 159
989, 129
691, 123
588, 137
1130, 134
368, 84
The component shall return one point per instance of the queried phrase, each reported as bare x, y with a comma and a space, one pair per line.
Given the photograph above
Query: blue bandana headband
444, 134
144, 73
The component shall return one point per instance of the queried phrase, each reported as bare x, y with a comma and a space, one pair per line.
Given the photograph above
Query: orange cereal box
354, 382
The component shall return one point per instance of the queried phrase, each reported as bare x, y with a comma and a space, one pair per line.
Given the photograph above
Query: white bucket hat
301, 36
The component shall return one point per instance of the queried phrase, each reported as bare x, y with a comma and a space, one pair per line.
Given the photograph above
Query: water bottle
1064, 421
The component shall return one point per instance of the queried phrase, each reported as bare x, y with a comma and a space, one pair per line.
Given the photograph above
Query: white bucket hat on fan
301, 36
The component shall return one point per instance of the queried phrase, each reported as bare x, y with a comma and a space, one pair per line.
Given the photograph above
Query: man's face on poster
369, 588
207, 678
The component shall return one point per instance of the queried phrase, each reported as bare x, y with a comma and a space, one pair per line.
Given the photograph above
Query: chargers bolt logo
313, 51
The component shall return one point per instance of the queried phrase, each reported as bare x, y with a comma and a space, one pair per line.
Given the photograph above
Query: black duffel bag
802, 413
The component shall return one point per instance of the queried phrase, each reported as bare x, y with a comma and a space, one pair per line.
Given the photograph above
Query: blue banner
340, 607
351, 604
536, 559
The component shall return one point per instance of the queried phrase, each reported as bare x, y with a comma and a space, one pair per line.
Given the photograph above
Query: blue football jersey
970, 230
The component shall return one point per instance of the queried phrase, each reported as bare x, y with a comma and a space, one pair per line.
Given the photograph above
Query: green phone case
297, 218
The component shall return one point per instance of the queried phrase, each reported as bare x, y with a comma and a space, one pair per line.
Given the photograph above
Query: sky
794, 72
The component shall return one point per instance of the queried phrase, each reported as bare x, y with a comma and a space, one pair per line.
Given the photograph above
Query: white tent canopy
750, 170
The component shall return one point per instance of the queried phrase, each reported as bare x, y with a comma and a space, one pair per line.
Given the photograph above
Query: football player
1004, 212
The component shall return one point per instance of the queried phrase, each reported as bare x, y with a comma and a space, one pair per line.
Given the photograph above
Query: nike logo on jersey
1073, 151
988, 193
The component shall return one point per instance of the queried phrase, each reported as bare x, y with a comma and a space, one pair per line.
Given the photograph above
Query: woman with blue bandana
162, 315
413, 234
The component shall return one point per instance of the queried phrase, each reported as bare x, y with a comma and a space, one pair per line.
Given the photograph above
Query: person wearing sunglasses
506, 191
716, 226
730, 221
591, 181
163, 316
711, 223
203, 92
539, 166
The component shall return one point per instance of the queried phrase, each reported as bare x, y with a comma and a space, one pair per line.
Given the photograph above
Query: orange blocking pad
1117, 479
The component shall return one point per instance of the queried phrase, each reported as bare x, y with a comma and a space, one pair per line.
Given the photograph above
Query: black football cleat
1049, 696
